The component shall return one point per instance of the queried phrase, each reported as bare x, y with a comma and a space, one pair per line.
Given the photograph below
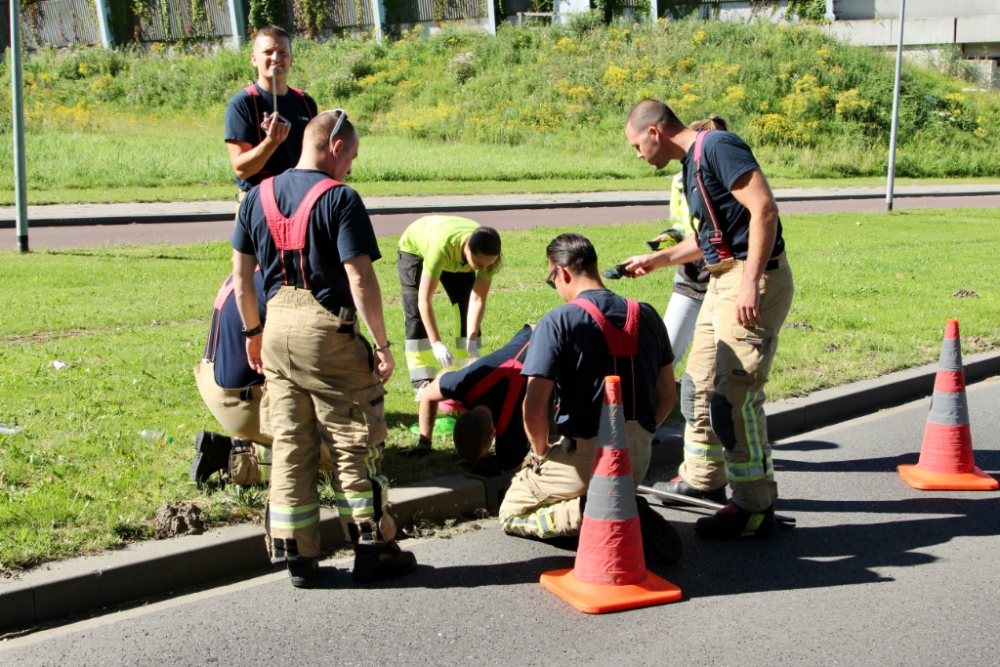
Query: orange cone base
976, 480
594, 599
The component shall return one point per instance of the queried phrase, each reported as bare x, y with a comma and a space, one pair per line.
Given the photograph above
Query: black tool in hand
614, 274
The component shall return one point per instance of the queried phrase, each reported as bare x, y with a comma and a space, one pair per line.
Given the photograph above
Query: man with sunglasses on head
315, 245
264, 140
574, 347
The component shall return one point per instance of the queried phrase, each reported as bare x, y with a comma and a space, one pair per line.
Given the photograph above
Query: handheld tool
781, 520
615, 273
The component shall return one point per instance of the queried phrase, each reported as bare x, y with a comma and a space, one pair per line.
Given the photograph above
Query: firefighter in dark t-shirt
262, 144
491, 389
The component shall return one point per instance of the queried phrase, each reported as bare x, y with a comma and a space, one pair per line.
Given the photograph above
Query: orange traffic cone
946, 460
610, 572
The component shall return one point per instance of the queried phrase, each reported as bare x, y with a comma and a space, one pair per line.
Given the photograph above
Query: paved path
387, 225
876, 574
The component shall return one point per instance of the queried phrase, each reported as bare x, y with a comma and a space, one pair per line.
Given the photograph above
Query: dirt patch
40, 337
965, 294
178, 518
798, 324
830, 347
978, 343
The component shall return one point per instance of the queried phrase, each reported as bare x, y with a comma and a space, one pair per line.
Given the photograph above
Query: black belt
772, 265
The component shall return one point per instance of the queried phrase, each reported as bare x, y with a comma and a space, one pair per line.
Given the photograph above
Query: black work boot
731, 523
679, 486
660, 541
303, 571
374, 561
212, 454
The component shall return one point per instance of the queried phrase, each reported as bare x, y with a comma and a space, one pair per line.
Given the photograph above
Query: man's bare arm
666, 393
752, 190
686, 251
429, 399
246, 303
536, 413
367, 295
248, 160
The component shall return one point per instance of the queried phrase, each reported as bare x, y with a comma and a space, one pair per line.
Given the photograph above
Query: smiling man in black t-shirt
749, 295
260, 143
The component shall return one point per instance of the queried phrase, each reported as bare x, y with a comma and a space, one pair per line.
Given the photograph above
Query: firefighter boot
374, 561
732, 523
679, 486
212, 454
660, 541
303, 571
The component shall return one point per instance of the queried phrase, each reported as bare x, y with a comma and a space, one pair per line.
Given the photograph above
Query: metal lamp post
895, 110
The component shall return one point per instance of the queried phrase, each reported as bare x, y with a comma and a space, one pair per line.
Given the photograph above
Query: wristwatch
250, 333
387, 345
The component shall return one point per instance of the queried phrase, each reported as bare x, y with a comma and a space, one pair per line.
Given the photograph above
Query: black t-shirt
724, 158
512, 444
339, 230
569, 348
232, 371
245, 113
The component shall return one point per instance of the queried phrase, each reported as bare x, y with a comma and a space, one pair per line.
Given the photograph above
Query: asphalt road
388, 225
876, 573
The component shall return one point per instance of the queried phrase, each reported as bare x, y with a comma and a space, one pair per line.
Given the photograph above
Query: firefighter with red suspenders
314, 242
262, 144
749, 295
491, 390
574, 347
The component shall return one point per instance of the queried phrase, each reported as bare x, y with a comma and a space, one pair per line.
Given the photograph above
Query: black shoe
679, 486
731, 523
660, 542
212, 454
381, 560
303, 571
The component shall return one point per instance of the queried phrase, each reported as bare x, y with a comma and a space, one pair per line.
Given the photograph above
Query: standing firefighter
736, 334
263, 143
463, 257
324, 380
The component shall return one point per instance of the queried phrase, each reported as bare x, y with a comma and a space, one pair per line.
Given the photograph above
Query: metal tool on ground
946, 458
781, 520
610, 572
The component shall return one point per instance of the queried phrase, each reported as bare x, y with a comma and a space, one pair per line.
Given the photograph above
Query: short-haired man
324, 380
574, 347
491, 389
749, 295
263, 143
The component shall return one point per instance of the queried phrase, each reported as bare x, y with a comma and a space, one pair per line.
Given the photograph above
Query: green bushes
809, 106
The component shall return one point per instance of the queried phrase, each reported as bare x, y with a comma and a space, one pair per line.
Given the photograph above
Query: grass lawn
188, 193
131, 321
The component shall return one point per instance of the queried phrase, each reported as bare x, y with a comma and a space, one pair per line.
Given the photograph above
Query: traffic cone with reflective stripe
946, 460
610, 572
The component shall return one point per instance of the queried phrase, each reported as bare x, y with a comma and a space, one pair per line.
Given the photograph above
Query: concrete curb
159, 567
414, 209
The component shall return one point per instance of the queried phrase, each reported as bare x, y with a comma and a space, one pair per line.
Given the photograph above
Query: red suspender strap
252, 91
224, 292
715, 235
302, 95
290, 233
212, 343
621, 342
510, 369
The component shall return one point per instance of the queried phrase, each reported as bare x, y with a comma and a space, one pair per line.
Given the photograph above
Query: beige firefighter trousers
321, 388
726, 434
243, 413
547, 503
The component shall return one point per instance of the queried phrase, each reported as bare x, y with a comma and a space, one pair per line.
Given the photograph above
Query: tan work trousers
726, 434
546, 503
321, 388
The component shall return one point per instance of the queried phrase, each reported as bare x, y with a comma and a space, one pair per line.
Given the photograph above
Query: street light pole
17, 92
895, 110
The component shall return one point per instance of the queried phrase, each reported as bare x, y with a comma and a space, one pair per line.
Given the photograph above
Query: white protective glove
472, 345
443, 355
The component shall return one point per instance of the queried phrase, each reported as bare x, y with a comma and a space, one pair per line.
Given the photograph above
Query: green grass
131, 321
190, 193
525, 111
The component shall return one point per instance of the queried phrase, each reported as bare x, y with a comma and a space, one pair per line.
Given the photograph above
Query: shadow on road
987, 459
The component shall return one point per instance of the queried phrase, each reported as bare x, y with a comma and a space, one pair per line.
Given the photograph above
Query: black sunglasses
552, 274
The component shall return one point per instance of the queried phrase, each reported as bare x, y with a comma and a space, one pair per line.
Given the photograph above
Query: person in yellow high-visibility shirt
461, 256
